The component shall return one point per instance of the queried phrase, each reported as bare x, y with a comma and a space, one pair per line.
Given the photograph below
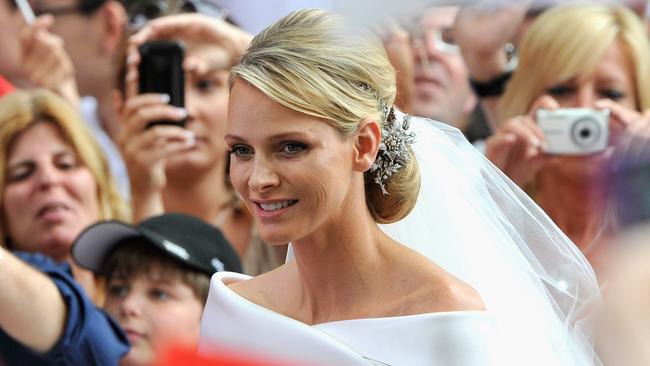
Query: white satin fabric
232, 323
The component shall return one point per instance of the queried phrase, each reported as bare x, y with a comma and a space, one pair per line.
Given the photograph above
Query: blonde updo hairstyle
316, 63
21, 110
568, 41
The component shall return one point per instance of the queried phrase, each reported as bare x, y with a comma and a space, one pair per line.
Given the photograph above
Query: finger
498, 148
619, 115
155, 139
192, 27
45, 74
533, 128
131, 87
543, 102
525, 130
149, 158
143, 100
142, 117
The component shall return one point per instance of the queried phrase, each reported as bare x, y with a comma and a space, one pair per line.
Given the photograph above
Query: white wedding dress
463, 338
538, 289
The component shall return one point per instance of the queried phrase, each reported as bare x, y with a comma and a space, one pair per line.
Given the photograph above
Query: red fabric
182, 356
5, 86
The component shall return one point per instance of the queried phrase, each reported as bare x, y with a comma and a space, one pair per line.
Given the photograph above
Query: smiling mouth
51, 208
275, 206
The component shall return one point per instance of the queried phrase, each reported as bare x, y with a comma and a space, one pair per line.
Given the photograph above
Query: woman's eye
612, 94
560, 90
19, 173
159, 294
204, 84
118, 290
293, 147
241, 151
66, 162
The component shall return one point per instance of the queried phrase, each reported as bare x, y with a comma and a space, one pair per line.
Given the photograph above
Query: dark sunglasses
85, 7
141, 11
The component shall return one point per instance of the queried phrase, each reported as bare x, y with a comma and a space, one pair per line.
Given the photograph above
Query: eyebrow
57, 154
278, 137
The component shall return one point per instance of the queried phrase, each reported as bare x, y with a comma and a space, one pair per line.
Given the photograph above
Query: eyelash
564, 90
301, 147
63, 163
236, 150
289, 148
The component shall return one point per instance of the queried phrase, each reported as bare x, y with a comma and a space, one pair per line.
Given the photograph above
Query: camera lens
585, 132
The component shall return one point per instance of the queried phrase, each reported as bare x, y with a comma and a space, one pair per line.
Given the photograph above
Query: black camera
161, 71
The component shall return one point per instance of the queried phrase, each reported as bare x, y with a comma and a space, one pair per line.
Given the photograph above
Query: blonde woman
321, 158
54, 178
54, 182
575, 56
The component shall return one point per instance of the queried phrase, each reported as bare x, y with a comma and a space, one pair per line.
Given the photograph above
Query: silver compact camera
574, 131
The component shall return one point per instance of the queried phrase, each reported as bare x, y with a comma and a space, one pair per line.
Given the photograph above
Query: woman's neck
339, 263
578, 208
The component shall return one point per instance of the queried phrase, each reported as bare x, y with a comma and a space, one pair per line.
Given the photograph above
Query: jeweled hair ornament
393, 152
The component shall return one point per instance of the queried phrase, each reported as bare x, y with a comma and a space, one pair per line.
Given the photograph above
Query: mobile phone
574, 131
26, 11
161, 71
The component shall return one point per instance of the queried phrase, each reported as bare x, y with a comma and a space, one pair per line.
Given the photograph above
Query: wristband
491, 88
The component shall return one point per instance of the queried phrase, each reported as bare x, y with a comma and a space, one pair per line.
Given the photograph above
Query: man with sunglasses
433, 81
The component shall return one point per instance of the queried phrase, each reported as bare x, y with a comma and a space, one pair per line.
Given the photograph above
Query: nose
263, 178
47, 176
130, 306
425, 49
586, 97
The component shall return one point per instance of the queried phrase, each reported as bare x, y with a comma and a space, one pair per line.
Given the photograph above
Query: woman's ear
366, 144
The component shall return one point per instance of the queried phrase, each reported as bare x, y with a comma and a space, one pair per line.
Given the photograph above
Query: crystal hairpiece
393, 151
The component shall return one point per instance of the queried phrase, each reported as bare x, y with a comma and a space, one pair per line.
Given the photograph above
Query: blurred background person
176, 169
74, 48
54, 182
433, 80
53, 177
587, 56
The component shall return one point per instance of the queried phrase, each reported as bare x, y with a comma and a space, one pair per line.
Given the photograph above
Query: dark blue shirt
90, 336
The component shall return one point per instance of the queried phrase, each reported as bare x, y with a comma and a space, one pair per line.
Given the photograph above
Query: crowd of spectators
111, 224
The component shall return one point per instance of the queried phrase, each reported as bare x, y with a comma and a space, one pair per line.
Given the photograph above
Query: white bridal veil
477, 224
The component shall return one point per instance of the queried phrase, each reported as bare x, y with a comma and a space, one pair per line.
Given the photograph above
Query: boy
157, 275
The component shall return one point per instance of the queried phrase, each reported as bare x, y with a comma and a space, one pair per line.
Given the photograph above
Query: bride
465, 270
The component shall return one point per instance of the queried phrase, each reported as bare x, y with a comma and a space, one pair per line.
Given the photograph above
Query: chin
275, 237
191, 161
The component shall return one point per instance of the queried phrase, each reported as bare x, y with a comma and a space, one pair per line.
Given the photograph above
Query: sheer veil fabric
477, 224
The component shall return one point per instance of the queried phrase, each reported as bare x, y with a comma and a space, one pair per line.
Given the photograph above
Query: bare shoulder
269, 290
433, 289
456, 295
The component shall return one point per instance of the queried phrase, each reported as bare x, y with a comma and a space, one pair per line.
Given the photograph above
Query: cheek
175, 324
87, 191
14, 202
112, 307
239, 174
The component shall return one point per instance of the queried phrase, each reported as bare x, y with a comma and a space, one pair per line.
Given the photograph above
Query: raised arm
32, 310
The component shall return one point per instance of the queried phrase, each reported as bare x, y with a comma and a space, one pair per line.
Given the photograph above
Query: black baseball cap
186, 238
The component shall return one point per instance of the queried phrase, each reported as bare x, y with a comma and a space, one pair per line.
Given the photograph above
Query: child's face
155, 312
